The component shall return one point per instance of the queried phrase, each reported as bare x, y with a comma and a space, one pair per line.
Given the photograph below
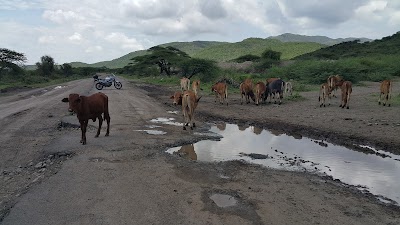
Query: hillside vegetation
288, 37
191, 48
386, 46
255, 46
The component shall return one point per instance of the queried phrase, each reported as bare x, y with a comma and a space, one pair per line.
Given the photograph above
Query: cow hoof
184, 128
340, 105
191, 128
379, 103
347, 107
194, 125
96, 136
107, 135
324, 105
320, 105
389, 105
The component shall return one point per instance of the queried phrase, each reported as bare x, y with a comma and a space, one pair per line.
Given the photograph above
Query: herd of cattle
94, 106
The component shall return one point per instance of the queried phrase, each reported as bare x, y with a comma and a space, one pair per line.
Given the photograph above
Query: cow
196, 86
189, 104
288, 88
246, 90
221, 90
177, 98
386, 91
270, 80
334, 82
346, 91
324, 93
89, 107
185, 84
260, 91
275, 87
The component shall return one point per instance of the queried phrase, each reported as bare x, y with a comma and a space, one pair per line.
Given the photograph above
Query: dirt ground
48, 177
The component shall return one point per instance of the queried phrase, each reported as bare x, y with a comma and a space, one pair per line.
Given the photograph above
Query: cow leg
348, 100
107, 118
100, 123
83, 129
379, 100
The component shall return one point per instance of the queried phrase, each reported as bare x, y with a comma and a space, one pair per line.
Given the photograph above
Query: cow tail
390, 90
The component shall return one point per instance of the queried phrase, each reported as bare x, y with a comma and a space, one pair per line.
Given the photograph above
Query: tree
192, 66
66, 69
46, 66
10, 61
270, 54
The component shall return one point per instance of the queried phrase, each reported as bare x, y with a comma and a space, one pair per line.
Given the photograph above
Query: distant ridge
288, 37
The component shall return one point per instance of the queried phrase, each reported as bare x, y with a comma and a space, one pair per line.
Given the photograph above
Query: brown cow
260, 91
346, 91
189, 104
221, 90
334, 82
89, 107
386, 91
196, 86
324, 93
185, 84
246, 90
177, 98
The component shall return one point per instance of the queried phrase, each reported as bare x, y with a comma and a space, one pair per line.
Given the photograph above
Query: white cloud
124, 42
60, 16
76, 38
47, 39
93, 49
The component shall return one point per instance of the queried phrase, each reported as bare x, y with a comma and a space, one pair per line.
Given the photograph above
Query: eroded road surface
48, 177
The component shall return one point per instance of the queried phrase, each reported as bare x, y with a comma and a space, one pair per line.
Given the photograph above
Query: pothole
223, 201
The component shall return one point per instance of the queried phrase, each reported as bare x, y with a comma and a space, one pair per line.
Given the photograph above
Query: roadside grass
295, 97
36, 84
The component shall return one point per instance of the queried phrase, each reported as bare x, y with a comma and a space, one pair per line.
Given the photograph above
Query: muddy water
379, 175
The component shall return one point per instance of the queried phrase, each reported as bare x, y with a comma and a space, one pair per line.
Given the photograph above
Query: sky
100, 30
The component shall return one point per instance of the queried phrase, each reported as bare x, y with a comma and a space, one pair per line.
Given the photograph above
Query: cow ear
65, 100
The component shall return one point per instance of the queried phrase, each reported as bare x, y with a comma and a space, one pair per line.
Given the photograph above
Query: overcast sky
99, 30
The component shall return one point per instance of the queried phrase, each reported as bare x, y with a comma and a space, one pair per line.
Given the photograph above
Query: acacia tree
46, 66
10, 61
66, 69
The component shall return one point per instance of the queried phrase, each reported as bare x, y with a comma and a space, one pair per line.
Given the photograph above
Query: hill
288, 37
255, 46
113, 64
193, 47
385, 46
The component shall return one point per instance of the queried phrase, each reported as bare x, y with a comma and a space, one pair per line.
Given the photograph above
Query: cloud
145, 9
124, 42
76, 37
60, 16
18, 4
93, 49
47, 39
212, 9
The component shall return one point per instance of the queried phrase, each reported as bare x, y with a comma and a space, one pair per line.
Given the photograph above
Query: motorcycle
107, 82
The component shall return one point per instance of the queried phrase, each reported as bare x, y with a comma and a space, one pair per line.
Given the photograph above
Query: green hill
288, 37
383, 47
113, 64
193, 47
255, 46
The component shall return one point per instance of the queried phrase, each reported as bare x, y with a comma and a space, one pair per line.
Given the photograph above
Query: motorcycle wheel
117, 85
99, 86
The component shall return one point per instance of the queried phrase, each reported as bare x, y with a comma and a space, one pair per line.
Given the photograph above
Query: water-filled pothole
223, 200
377, 174
168, 121
153, 132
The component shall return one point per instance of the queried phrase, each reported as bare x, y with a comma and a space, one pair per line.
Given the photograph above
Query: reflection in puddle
379, 175
168, 121
154, 132
223, 200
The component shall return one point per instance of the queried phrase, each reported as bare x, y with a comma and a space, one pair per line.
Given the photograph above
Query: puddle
377, 173
153, 132
173, 112
152, 126
223, 200
167, 121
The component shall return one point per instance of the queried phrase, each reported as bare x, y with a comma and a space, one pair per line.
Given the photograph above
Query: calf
386, 91
260, 90
334, 82
89, 107
185, 84
189, 104
276, 87
246, 90
346, 91
324, 93
221, 90
196, 87
177, 98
